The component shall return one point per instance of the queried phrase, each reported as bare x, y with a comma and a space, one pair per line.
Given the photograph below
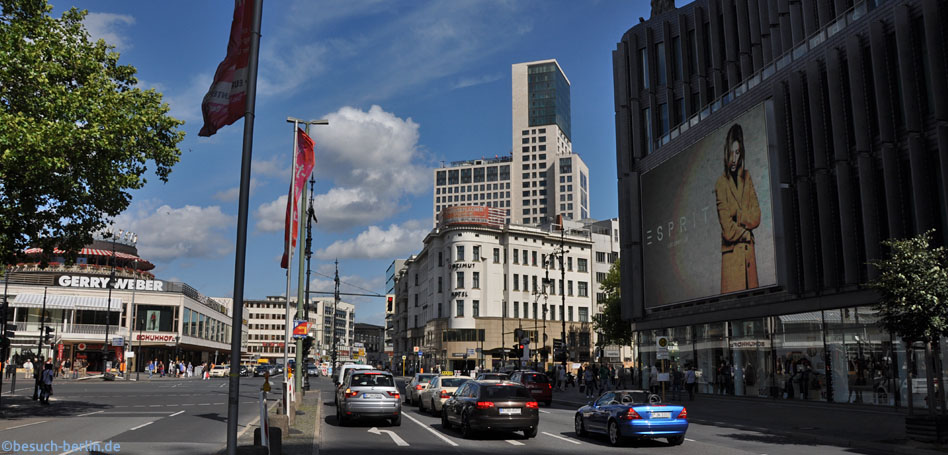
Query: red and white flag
305, 161
226, 100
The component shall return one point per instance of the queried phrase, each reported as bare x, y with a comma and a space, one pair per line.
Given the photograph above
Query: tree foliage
76, 134
913, 287
612, 329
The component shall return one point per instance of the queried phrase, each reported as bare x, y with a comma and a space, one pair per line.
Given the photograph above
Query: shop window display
751, 358
860, 355
711, 351
800, 365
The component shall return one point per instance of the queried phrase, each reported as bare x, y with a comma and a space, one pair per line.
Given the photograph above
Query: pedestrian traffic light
9, 330
48, 335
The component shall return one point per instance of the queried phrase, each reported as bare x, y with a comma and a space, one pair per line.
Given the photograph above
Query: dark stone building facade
854, 96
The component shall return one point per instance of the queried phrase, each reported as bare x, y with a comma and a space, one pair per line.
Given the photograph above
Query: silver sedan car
368, 393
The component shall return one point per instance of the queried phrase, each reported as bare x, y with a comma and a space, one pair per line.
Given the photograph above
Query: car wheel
444, 420
676, 441
580, 425
530, 433
340, 417
466, 431
434, 410
615, 438
397, 421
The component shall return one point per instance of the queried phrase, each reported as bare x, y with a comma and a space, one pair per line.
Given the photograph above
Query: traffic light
48, 336
517, 351
389, 304
559, 350
307, 345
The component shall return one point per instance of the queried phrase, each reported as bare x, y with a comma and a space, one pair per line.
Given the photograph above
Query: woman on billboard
739, 215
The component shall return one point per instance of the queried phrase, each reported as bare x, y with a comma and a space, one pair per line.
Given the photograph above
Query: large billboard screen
707, 216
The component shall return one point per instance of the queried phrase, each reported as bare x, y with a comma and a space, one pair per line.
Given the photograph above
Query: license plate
509, 411
661, 415
372, 396
537, 391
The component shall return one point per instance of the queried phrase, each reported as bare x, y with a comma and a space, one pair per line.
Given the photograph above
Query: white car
220, 371
433, 396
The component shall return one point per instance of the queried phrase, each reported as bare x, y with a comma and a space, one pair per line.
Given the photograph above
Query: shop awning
78, 302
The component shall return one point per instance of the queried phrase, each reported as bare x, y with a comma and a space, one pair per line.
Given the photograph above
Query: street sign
612, 351
662, 343
470, 351
416, 349
404, 357
662, 355
118, 341
300, 328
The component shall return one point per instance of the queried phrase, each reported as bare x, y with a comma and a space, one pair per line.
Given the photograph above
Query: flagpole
289, 267
237, 318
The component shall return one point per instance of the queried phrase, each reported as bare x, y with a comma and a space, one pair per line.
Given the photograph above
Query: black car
245, 370
260, 370
491, 405
492, 377
312, 369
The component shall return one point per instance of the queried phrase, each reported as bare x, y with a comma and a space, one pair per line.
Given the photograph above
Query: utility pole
563, 287
310, 220
335, 308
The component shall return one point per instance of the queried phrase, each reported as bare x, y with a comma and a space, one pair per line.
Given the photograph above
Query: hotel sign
75, 281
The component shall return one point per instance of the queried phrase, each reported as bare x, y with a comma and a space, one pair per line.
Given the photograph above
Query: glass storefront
838, 355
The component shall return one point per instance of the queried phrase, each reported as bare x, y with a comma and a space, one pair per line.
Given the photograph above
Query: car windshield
536, 378
371, 380
504, 391
633, 397
453, 382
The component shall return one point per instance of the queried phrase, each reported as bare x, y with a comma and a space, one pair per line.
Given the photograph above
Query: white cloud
167, 233
231, 194
271, 216
472, 81
275, 168
107, 26
376, 243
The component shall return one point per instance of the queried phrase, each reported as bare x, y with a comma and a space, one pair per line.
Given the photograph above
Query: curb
901, 449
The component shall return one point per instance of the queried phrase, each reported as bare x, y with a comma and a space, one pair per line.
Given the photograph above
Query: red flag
225, 101
305, 160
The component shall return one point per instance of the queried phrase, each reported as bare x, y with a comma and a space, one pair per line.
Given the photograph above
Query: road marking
398, 440
432, 430
177, 413
689, 439
82, 447
26, 425
545, 412
89, 413
516, 443
561, 437
142, 425
222, 385
155, 406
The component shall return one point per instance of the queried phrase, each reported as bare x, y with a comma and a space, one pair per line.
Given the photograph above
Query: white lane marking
82, 447
26, 425
545, 412
141, 426
689, 439
154, 406
432, 430
398, 440
90, 413
222, 385
177, 413
561, 437
516, 443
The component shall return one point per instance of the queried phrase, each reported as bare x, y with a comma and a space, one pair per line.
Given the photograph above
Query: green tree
913, 287
609, 324
76, 133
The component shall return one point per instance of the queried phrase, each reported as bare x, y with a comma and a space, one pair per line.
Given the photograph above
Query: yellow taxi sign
447, 373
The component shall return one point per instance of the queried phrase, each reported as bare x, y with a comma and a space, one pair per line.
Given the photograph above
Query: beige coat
739, 215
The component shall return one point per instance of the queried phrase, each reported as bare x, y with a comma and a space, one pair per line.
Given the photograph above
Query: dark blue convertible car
632, 414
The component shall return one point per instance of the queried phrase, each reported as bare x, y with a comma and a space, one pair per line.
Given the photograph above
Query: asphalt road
159, 416
422, 433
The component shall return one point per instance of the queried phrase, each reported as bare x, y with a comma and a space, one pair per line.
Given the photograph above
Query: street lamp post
108, 303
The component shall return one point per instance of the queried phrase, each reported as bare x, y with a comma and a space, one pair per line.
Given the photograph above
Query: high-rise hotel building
542, 177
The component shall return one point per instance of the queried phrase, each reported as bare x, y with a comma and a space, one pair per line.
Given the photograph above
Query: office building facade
765, 150
267, 330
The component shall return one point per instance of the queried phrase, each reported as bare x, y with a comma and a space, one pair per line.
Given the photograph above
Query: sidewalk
846, 425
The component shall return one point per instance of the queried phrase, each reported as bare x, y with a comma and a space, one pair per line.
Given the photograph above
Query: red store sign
154, 337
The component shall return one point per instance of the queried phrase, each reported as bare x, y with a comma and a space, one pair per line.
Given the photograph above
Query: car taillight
445, 394
419, 387
549, 386
683, 414
351, 393
484, 404
630, 415
533, 405
393, 394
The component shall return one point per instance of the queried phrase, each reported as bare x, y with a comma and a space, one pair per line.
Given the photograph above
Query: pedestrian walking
28, 369
190, 370
37, 378
161, 369
46, 385
150, 368
588, 379
677, 379
560, 378
691, 382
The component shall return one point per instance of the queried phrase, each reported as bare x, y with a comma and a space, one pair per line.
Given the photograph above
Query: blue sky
405, 85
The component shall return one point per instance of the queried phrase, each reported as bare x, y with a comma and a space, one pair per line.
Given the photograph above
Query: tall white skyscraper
542, 177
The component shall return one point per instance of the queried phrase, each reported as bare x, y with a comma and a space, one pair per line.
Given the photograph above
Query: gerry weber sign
104, 283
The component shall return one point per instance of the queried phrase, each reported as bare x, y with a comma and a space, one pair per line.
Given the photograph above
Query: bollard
276, 439
13, 383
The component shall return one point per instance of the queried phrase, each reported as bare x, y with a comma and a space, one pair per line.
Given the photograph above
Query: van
338, 379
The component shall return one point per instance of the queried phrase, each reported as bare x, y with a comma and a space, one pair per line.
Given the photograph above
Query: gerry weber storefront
172, 319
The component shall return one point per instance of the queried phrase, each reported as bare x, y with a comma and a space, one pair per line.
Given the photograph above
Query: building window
460, 280
416, 321
416, 279
439, 310
581, 265
525, 259
569, 264
516, 278
416, 300
643, 66
663, 118
476, 308
504, 308
476, 280
460, 309
552, 312
534, 257
583, 288
601, 257
516, 256
570, 313
440, 287
660, 62
496, 255
534, 283
569, 288
477, 253
460, 256
440, 259
516, 310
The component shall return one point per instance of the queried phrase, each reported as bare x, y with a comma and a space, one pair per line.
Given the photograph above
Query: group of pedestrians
595, 379
177, 369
